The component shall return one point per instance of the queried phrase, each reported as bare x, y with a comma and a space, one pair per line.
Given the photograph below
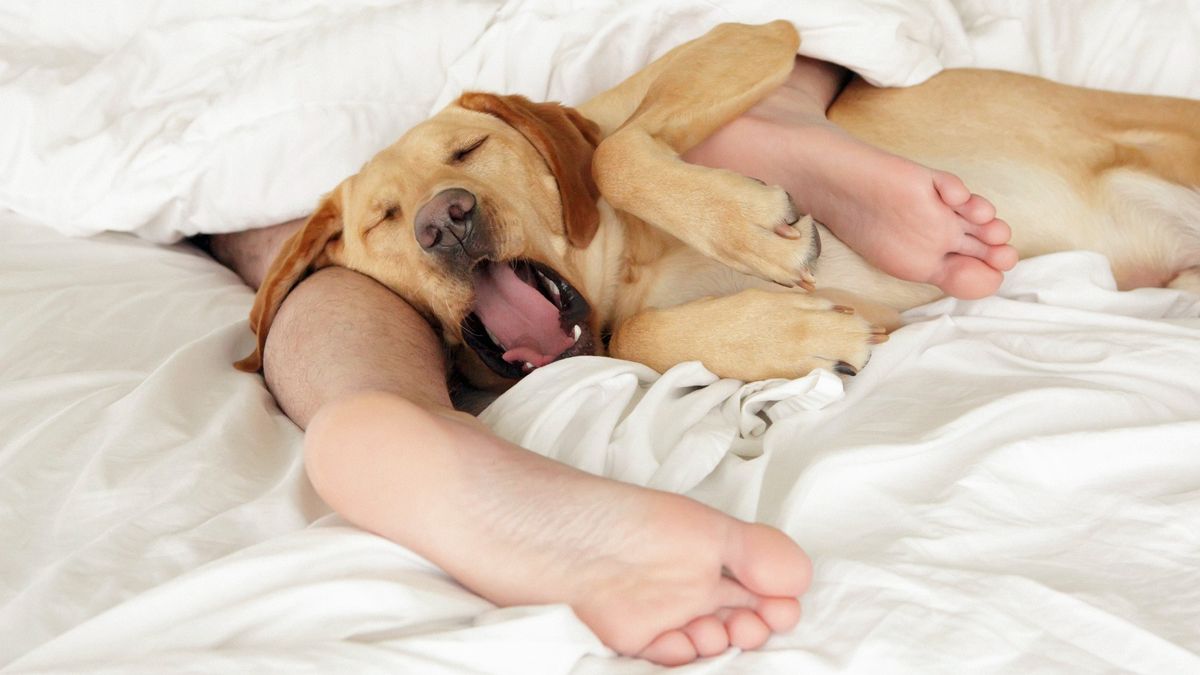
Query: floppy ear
566, 141
313, 246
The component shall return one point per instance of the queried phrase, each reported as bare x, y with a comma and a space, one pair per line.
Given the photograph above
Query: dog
530, 232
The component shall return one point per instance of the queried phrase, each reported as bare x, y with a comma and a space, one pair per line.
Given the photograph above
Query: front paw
760, 233
785, 260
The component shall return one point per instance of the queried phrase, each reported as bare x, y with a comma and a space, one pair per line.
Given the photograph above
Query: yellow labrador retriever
530, 232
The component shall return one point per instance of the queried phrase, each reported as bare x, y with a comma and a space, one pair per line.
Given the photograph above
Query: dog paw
834, 339
751, 227
877, 335
799, 333
756, 334
779, 251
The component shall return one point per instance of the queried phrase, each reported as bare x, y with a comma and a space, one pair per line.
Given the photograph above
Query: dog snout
447, 220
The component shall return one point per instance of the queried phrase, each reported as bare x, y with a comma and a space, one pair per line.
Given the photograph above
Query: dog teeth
493, 337
551, 288
576, 331
527, 367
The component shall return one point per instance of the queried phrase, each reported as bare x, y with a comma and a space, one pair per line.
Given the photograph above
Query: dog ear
315, 245
566, 141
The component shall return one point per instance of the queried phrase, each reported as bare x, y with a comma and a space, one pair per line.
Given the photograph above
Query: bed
1012, 485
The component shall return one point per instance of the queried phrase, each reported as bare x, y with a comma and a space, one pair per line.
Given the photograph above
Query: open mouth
525, 316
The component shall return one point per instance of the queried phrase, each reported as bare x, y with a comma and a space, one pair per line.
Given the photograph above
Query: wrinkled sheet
1012, 484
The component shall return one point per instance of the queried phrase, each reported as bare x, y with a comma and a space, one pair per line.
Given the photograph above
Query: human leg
911, 221
358, 368
642, 568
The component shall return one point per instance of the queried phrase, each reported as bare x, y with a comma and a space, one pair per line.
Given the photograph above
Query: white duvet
1013, 484
171, 118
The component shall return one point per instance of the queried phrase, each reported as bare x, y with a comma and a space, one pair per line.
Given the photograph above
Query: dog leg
751, 227
752, 335
729, 53
876, 313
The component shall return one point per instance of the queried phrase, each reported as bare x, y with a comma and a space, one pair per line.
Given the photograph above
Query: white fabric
172, 118
1012, 484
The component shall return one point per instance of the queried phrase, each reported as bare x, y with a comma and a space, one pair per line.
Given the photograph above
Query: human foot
653, 574
913, 222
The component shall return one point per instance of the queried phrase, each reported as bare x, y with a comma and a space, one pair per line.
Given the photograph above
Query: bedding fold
1037, 449
167, 119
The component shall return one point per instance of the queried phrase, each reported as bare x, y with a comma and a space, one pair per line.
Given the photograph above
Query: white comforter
1013, 484
175, 118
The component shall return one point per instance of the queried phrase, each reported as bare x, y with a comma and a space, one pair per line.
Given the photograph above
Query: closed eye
460, 155
385, 214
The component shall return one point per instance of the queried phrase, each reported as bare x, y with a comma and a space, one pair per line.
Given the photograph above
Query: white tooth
527, 367
550, 286
577, 331
492, 335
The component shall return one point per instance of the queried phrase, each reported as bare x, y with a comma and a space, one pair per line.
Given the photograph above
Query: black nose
446, 220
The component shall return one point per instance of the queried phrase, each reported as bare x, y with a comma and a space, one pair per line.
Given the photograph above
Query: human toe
746, 629
780, 614
967, 277
993, 232
951, 189
976, 210
672, 648
708, 635
766, 561
1003, 258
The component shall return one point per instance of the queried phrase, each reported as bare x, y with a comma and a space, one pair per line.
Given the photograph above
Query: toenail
787, 231
793, 214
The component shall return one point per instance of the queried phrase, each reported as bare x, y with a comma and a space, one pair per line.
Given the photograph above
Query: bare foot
653, 574
908, 220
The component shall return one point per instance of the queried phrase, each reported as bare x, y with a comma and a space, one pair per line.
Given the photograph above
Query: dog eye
460, 155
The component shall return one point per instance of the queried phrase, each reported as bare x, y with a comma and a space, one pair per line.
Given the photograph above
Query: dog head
469, 217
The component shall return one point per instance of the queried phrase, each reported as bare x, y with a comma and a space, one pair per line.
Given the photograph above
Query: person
653, 574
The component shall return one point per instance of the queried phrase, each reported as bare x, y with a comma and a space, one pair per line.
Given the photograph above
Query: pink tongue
520, 317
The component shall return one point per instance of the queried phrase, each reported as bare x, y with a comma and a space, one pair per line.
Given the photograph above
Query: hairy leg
653, 574
911, 221
250, 253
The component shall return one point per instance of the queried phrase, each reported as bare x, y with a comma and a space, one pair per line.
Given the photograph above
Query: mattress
1012, 484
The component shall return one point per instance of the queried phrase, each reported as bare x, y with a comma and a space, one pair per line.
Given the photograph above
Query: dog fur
680, 262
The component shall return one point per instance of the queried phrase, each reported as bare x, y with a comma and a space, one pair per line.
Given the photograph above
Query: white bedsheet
1012, 484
